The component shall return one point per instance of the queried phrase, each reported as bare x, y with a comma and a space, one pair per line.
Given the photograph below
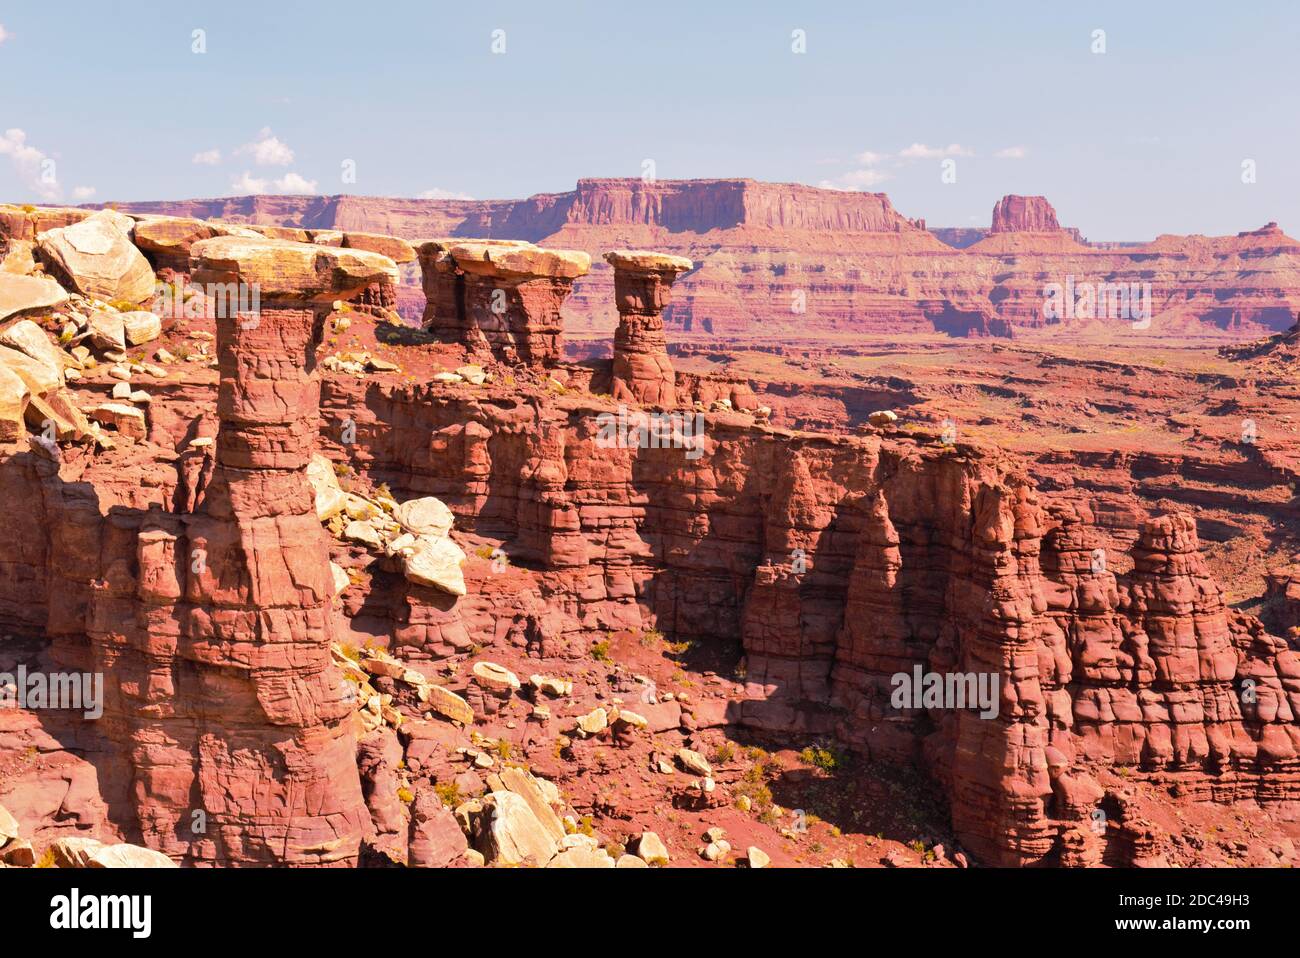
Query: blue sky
1148, 137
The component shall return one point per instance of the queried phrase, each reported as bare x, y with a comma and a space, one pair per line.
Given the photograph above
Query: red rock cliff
1024, 214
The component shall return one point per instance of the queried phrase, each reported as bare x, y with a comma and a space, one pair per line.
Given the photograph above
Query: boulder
58, 410
127, 420
529, 788
23, 294
495, 677
14, 396
108, 331
511, 261
594, 722
97, 258
757, 857
340, 578
41, 376
18, 257
447, 704
436, 563
141, 327
26, 337
556, 688
513, 835
694, 762
436, 836
640, 259
167, 239
330, 499
8, 827
363, 532
651, 849
128, 856
581, 858
74, 852
424, 517
18, 854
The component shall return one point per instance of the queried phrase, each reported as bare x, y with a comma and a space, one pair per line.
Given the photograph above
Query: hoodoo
642, 288
502, 299
319, 595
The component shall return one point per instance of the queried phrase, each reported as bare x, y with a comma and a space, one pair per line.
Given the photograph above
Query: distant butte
818, 260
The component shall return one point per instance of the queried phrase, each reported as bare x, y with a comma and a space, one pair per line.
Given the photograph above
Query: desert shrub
448, 793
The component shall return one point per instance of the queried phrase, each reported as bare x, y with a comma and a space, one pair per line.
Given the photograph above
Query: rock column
500, 297
279, 783
444, 292
642, 284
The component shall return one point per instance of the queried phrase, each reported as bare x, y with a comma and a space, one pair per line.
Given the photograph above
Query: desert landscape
603, 529
450, 448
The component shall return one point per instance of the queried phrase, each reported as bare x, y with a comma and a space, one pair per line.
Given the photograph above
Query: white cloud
267, 150
207, 158
855, 180
289, 183
4, 34
248, 183
438, 193
83, 192
919, 151
33, 167
1011, 153
293, 183
873, 167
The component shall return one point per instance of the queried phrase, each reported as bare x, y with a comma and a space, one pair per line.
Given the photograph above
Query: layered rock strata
643, 281
837, 564
849, 260
829, 564
501, 299
205, 599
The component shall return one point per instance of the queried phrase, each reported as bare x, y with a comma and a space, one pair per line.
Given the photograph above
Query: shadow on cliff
892, 802
64, 511
85, 574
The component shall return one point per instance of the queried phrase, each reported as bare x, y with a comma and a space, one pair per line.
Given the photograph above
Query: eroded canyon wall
836, 563
773, 258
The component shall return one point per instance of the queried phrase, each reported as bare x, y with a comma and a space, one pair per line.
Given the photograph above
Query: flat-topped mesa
499, 296
643, 282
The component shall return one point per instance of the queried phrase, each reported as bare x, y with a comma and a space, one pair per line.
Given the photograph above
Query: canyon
369, 583
773, 259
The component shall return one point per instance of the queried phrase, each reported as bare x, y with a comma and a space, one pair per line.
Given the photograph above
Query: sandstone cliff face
837, 564
773, 258
1024, 214
204, 597
829, 564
